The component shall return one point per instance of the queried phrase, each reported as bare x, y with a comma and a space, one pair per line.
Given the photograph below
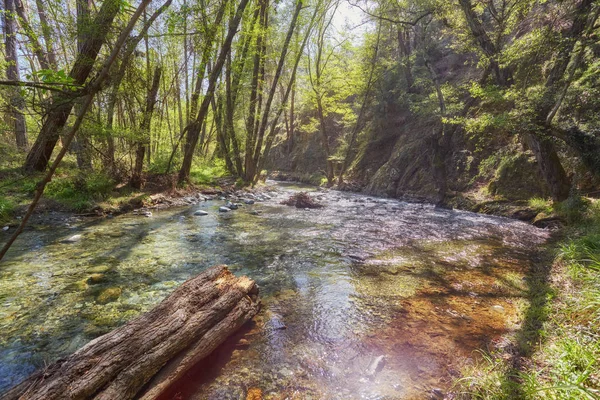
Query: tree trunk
46, 33
61, 107
550, 166
193, 132
157, 347
16, 101
136, 176
258, 150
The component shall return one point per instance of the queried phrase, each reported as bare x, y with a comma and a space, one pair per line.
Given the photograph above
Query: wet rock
99, 269
95, 278
200, 213
147, 214
74, 239
248, 201
224, 209
375, 366
276, 323
231, 206
108, 295
437, 394
76, 287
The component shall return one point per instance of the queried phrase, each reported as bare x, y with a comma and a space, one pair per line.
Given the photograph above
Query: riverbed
365, 298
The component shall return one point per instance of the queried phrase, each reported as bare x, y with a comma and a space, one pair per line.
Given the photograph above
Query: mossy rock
517, 178
108, 295
95, 278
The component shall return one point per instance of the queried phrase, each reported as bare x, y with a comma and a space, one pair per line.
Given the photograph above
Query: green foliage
541, 205
80, 192
207, 173
6, 209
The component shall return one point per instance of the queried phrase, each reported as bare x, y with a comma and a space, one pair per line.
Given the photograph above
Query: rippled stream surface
358, 279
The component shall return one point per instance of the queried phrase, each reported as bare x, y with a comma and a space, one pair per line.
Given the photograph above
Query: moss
516, 178
108, 295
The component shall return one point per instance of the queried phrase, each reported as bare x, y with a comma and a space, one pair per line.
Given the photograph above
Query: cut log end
155, 349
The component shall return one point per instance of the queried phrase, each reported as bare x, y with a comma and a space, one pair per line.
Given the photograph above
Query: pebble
498, 308
74, 239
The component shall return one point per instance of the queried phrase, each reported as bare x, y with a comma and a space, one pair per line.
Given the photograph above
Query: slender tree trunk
46, 33
42, 149
16, 102
136, 177
267, 109
37, 49
194, 129
255, 96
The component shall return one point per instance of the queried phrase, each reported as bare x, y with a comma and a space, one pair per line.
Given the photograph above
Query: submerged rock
95, 278
200, 213
74, 239
108, 295
375, 366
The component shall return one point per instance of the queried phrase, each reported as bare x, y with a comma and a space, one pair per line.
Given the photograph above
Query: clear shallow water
358, 279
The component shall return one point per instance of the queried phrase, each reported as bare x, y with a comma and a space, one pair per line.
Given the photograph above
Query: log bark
163, 343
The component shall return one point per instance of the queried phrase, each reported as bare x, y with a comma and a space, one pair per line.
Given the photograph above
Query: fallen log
163, 343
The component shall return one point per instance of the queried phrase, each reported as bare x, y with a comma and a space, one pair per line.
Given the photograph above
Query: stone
248, 201
224, 209
95, 278
108, 295
437, 393
200, 213
147, 214
5, 228
498, 308
375, 366
74, 239
231, 206
255, 212
276, 323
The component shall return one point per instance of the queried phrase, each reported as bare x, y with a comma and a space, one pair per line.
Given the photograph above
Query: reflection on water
341, 286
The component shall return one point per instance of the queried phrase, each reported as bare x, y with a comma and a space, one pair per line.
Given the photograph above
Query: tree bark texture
16, 101
163, 343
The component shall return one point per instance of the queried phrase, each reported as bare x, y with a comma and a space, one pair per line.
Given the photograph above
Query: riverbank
555, 353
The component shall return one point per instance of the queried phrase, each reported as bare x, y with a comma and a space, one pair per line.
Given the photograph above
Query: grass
208, 173
556, 352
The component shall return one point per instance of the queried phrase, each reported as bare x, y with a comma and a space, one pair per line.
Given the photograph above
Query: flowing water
351, 282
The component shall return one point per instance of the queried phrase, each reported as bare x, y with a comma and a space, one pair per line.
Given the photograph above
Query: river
380, 299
